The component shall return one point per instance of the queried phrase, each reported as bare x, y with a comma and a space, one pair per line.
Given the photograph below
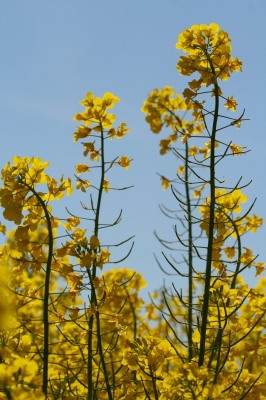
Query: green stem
218, 338
205, 307
94, 296
154, 385
190, 272
46, 290
90, 355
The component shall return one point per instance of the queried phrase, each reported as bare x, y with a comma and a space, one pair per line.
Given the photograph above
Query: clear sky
54, 51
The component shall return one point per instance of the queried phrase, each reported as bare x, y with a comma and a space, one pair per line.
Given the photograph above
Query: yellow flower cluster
209, 54
163, 109
20, 179
96, 111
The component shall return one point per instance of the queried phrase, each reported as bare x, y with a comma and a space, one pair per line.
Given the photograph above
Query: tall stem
46, 290
205, 307
94, 297
190, 272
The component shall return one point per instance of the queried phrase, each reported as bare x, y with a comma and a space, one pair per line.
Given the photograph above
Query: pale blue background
53, 52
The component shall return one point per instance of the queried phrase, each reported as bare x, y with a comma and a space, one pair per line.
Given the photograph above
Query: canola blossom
70, 327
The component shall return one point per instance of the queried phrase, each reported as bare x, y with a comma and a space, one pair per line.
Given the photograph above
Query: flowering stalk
215, 319
46, 286
190, 260
165, 105
96, 112
91, 389
207, 282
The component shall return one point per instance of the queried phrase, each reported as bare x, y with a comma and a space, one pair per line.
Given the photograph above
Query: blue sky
53, 52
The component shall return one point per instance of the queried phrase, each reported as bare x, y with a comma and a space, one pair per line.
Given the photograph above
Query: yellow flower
22, 232
195, 85
259, 268
94, 242
253, 223
88, 101
196, 336
204, 151
83, 185
55, 191
165, 146
103, 258
230, 252
193, 151
107, 120
2, 228
247, 257
197, 193
181, 169
80, 168
130, 359
87, 259
121, 131
106, 185
236, 150
72, 223
109, 99
208, 145
78, 234
124, 162
165, 143
196, 36
81, 133
89, 148
188, 95
74, 281
165, 183
185, 136
230, 104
